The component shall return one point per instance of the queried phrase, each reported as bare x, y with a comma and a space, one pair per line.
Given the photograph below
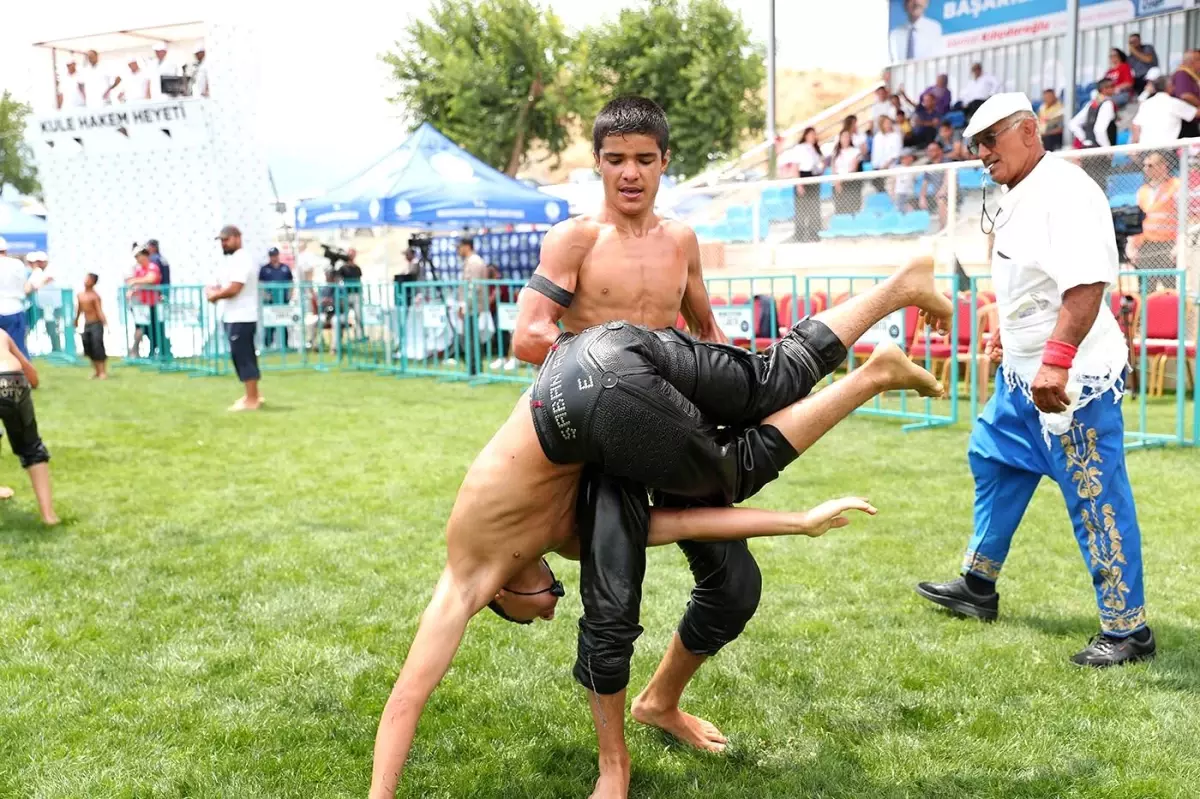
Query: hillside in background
800, 95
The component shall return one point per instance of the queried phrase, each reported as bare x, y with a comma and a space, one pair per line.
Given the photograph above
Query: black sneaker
1103, 651
956, 596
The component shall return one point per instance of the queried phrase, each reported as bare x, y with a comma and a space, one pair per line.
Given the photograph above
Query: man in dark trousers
276, 279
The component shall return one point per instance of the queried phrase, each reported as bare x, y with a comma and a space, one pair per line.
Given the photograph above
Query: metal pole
1072, 43
771, 91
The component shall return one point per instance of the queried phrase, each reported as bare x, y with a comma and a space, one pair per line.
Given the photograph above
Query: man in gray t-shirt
1142, 58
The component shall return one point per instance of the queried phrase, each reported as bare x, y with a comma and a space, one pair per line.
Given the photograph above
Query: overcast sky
307, 147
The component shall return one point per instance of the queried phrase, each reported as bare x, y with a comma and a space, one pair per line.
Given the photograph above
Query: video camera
335, 256
1127, 221
422, 243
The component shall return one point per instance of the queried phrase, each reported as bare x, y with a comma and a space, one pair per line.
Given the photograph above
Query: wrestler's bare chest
639, 279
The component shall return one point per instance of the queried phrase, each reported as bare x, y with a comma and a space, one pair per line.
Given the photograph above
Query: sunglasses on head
555, 589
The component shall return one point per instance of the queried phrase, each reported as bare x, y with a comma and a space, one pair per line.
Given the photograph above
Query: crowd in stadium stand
1135, 101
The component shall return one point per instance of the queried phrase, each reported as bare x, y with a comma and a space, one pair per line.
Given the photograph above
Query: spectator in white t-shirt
48, 297
200, 74
882, 107
157, 67
1160, 117
97, 83
885, 148
239, 290
978, 88
70, 88
806, 205
14, 288
135, 84
847, 158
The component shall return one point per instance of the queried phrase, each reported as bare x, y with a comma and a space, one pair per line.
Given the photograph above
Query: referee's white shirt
1054, 232
13, 275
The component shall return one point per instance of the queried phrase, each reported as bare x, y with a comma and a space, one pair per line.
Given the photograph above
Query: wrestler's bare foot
50, 520
613, 782
915, 280
687, 728
897, 373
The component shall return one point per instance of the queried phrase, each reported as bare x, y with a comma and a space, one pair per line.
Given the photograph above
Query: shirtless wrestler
643, 405
626, 263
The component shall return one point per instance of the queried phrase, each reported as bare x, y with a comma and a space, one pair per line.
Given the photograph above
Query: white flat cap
1154, 73
160, 46
994, 109
37, 255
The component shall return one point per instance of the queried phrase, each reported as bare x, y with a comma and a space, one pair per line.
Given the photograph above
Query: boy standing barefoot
89, 308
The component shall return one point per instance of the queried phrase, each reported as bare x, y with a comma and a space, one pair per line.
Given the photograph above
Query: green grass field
225, 608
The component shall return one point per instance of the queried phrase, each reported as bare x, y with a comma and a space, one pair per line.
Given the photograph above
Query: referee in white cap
1057, 408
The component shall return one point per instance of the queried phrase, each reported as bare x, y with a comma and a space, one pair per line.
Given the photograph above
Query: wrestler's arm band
554, 292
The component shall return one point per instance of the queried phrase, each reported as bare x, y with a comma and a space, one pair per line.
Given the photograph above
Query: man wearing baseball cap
276, 279
14, 288
1057, 408
239, 312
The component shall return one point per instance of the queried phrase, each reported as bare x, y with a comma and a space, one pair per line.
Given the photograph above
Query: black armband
551, 290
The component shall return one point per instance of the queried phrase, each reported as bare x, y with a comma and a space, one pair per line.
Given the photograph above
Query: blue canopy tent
23, 232
429, 181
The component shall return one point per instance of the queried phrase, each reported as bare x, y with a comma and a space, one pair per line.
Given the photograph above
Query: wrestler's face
631, 167
537, 598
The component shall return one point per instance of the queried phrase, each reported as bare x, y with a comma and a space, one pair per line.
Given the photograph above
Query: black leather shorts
646, 405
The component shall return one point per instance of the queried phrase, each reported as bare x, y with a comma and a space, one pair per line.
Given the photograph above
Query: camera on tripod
422, 243
1127, 221
335, 256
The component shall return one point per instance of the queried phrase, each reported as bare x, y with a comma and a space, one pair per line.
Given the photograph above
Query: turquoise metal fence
51, 321
1156, 323
938, 355
172, 329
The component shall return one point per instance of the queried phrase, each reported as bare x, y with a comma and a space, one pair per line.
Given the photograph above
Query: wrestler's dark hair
95, 278
631, 115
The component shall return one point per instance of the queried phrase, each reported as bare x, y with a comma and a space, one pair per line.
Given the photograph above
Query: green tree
494, 75
697, 61
16, 158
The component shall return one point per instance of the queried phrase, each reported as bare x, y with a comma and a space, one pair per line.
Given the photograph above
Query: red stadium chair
955, 348
1162, 339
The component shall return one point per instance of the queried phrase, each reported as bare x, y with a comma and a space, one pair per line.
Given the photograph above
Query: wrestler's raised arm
438, 637
550, 291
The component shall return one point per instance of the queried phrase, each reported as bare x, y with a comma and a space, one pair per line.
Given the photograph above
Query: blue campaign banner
919, 29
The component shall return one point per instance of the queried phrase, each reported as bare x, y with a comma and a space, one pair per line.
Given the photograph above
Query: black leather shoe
1103, 651
956, 596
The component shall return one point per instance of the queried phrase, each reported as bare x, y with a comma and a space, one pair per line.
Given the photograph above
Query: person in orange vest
1154, 247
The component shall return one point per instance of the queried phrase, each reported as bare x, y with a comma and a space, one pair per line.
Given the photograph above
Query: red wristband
1059, 353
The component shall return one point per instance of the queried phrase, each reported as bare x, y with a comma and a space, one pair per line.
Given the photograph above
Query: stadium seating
879, 203
778, 204
970, 179
1125, 184
870, 223
957, 119
1124, 136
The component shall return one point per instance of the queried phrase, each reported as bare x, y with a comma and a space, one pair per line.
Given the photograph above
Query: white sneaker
511, 364
496, 364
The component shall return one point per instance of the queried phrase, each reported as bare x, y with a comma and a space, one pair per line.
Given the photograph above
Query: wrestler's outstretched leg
888, 369
733, 387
